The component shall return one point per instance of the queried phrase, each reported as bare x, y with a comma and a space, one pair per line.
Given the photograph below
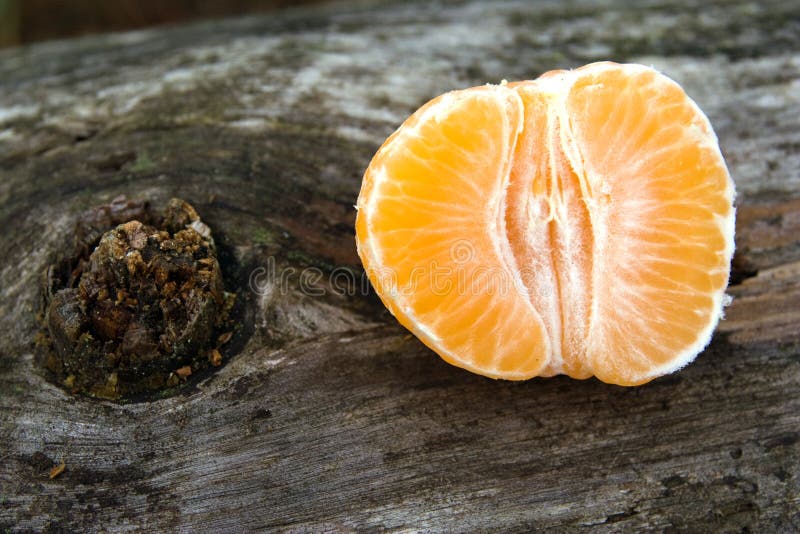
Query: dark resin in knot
144, 308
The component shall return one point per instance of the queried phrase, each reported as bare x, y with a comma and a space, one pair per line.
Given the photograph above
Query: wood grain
331, 417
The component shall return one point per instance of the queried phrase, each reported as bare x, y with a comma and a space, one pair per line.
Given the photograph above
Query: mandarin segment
436, 185
580, 223
661, 234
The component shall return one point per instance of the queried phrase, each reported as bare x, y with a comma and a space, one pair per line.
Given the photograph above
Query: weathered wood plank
332, 417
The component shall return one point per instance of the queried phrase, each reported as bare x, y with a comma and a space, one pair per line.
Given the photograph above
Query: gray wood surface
332, 417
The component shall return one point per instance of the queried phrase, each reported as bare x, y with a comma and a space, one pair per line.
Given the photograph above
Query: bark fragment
148, 300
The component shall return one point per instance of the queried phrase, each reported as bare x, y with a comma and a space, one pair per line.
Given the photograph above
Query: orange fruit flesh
581, 223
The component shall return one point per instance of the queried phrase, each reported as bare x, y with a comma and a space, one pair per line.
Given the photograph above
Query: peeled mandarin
580, 223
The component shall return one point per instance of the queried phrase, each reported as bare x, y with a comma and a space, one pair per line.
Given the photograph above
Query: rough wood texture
332, 417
